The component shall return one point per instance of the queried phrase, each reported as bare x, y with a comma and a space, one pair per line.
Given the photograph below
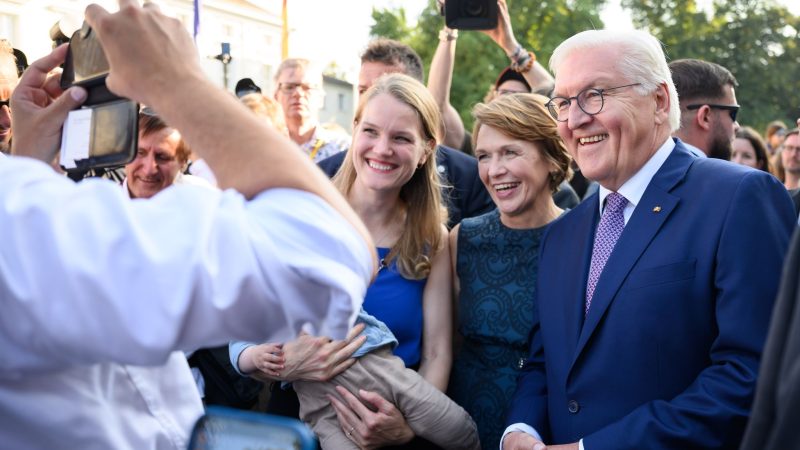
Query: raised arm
440, 80
503, 35
133, 281
160, 68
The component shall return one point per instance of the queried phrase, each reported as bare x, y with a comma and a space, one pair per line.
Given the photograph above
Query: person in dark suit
795, 194
652, 307
773, 421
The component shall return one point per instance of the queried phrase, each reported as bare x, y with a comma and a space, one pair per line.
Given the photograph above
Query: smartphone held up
103, 132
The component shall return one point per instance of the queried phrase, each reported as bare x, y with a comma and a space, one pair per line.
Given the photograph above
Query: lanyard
317, 145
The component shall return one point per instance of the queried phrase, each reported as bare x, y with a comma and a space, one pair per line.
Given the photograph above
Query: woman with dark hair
521, 161
750, 150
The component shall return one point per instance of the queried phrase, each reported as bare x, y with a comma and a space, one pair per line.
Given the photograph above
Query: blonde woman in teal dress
521, 161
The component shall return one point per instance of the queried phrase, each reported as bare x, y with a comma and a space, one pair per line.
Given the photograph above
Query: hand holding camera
502, 33
146, 50
469, 14
136, 53
39, 108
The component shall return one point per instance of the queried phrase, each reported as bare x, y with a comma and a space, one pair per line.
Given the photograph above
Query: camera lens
474, 8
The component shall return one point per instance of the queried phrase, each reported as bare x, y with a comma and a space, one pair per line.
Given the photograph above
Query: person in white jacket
91, 281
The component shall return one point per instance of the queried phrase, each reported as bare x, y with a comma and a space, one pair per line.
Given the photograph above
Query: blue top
396, 303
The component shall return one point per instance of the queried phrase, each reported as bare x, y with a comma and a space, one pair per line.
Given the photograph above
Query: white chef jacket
89, 278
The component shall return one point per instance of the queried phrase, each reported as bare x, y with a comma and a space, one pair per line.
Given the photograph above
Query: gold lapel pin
657, 209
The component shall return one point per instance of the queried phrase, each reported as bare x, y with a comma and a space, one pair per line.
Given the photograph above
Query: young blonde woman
389, 178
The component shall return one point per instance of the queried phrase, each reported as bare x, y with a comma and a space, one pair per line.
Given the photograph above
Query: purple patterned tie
608, 231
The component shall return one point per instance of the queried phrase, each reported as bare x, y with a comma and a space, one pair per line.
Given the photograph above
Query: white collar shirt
634, 188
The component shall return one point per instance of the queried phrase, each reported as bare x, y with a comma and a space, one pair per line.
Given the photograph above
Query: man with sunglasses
708, 106
652, 310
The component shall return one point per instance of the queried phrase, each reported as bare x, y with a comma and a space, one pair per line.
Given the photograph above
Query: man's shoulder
331, 164
455, 158
714, 174
565, 224
719, 173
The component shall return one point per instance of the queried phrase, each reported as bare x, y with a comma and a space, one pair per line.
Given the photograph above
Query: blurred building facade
251, 30
339, 101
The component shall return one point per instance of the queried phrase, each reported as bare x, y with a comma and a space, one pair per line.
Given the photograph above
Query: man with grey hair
652, 313
708, 106
298, 89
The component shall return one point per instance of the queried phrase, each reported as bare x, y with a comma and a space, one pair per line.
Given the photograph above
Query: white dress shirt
90, 280
632, 190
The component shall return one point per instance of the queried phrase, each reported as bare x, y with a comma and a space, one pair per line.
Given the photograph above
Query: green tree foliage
390, 24
539, 25
756, 40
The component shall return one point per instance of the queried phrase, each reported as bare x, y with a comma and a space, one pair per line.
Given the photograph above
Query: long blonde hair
421, 237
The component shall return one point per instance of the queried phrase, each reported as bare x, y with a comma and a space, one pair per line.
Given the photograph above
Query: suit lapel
655, 206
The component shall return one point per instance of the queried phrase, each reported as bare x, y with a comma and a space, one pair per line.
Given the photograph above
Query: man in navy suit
654, 295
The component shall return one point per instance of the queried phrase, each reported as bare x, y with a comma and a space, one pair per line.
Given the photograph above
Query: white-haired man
652, 310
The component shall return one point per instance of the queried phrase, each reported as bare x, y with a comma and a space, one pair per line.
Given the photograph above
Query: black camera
471, 14
103, 132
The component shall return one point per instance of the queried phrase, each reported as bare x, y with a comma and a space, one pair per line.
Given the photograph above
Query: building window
341, 102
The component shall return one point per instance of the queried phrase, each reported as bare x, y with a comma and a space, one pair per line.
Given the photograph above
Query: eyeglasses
733, 110
589, 101
6, 103
790, 148
288, 88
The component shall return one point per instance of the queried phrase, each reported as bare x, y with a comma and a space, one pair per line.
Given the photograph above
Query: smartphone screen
100, 136
227, 429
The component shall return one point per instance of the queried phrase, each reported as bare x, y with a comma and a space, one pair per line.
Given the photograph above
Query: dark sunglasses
6, 103
733, 110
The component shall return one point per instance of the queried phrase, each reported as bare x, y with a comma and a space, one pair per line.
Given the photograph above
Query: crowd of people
596, 264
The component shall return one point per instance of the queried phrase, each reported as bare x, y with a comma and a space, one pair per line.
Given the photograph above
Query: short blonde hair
525, 117
422, 195
311, 69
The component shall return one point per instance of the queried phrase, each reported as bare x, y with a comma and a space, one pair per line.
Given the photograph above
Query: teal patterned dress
497, 268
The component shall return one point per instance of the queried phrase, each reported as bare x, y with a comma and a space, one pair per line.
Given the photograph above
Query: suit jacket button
520, 363
573, 407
